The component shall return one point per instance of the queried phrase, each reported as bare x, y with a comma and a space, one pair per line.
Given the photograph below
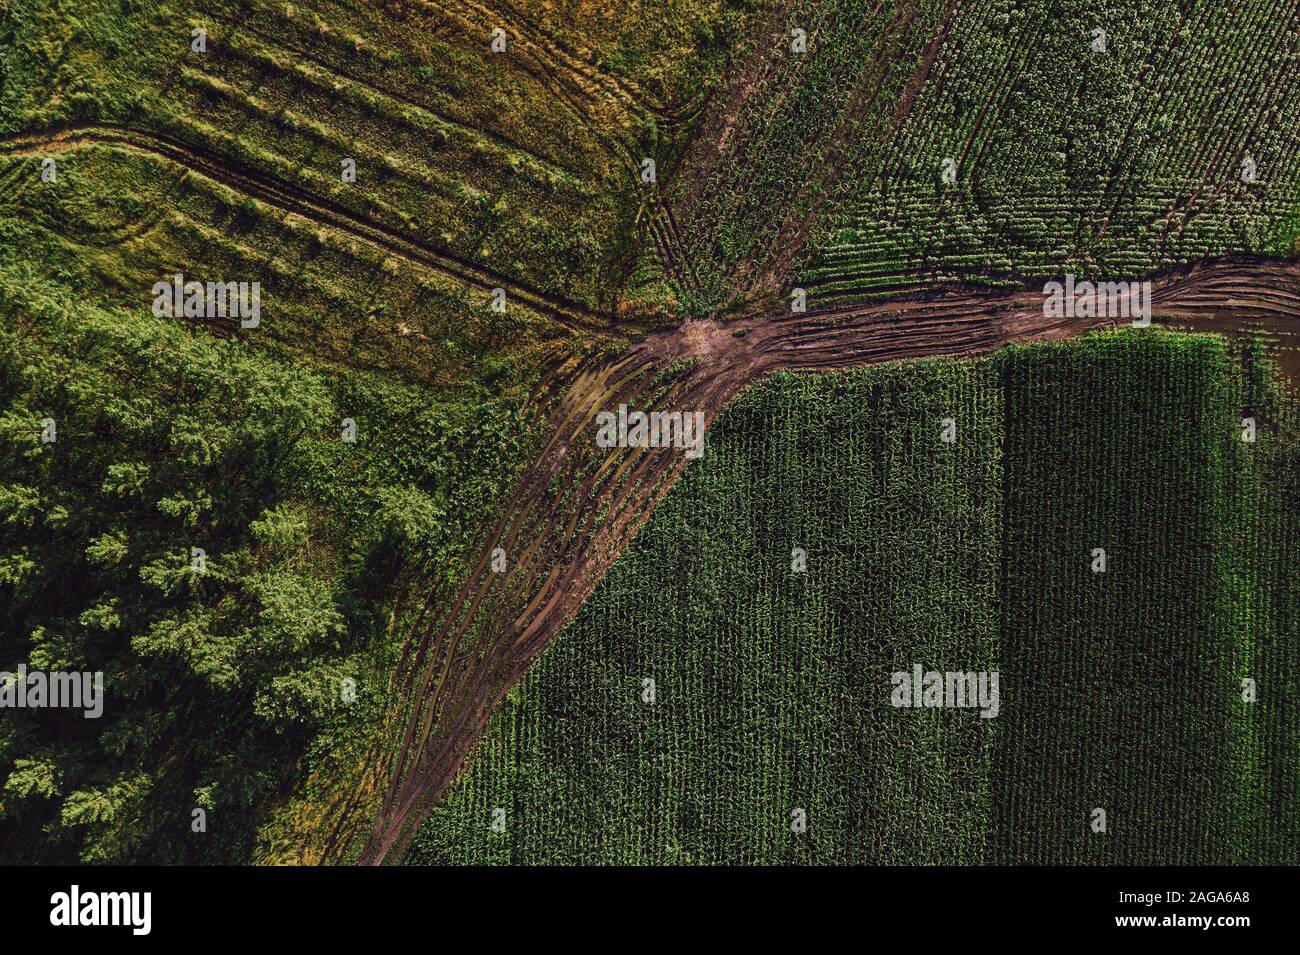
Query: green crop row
1174, 142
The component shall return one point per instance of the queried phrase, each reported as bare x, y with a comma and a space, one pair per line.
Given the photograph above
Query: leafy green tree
197, 531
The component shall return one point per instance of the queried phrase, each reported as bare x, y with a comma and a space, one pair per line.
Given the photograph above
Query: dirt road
578, 506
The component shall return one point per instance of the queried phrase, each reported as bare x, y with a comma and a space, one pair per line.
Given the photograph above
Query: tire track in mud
577, 507
95, 235
293, 199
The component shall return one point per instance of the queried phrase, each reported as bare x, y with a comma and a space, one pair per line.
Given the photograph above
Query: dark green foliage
167, 440
1127, 683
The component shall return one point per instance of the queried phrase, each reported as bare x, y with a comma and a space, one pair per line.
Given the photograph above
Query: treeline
191, 517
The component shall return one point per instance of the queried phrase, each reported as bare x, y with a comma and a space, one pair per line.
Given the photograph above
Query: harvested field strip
596, 100
327, 297
472, 205
523, 162
281, 74
599, 88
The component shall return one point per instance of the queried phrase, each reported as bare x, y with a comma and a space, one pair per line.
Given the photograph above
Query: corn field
1121, 690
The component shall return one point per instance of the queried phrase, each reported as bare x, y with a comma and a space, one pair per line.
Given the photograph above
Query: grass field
1119, 690
524, 161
